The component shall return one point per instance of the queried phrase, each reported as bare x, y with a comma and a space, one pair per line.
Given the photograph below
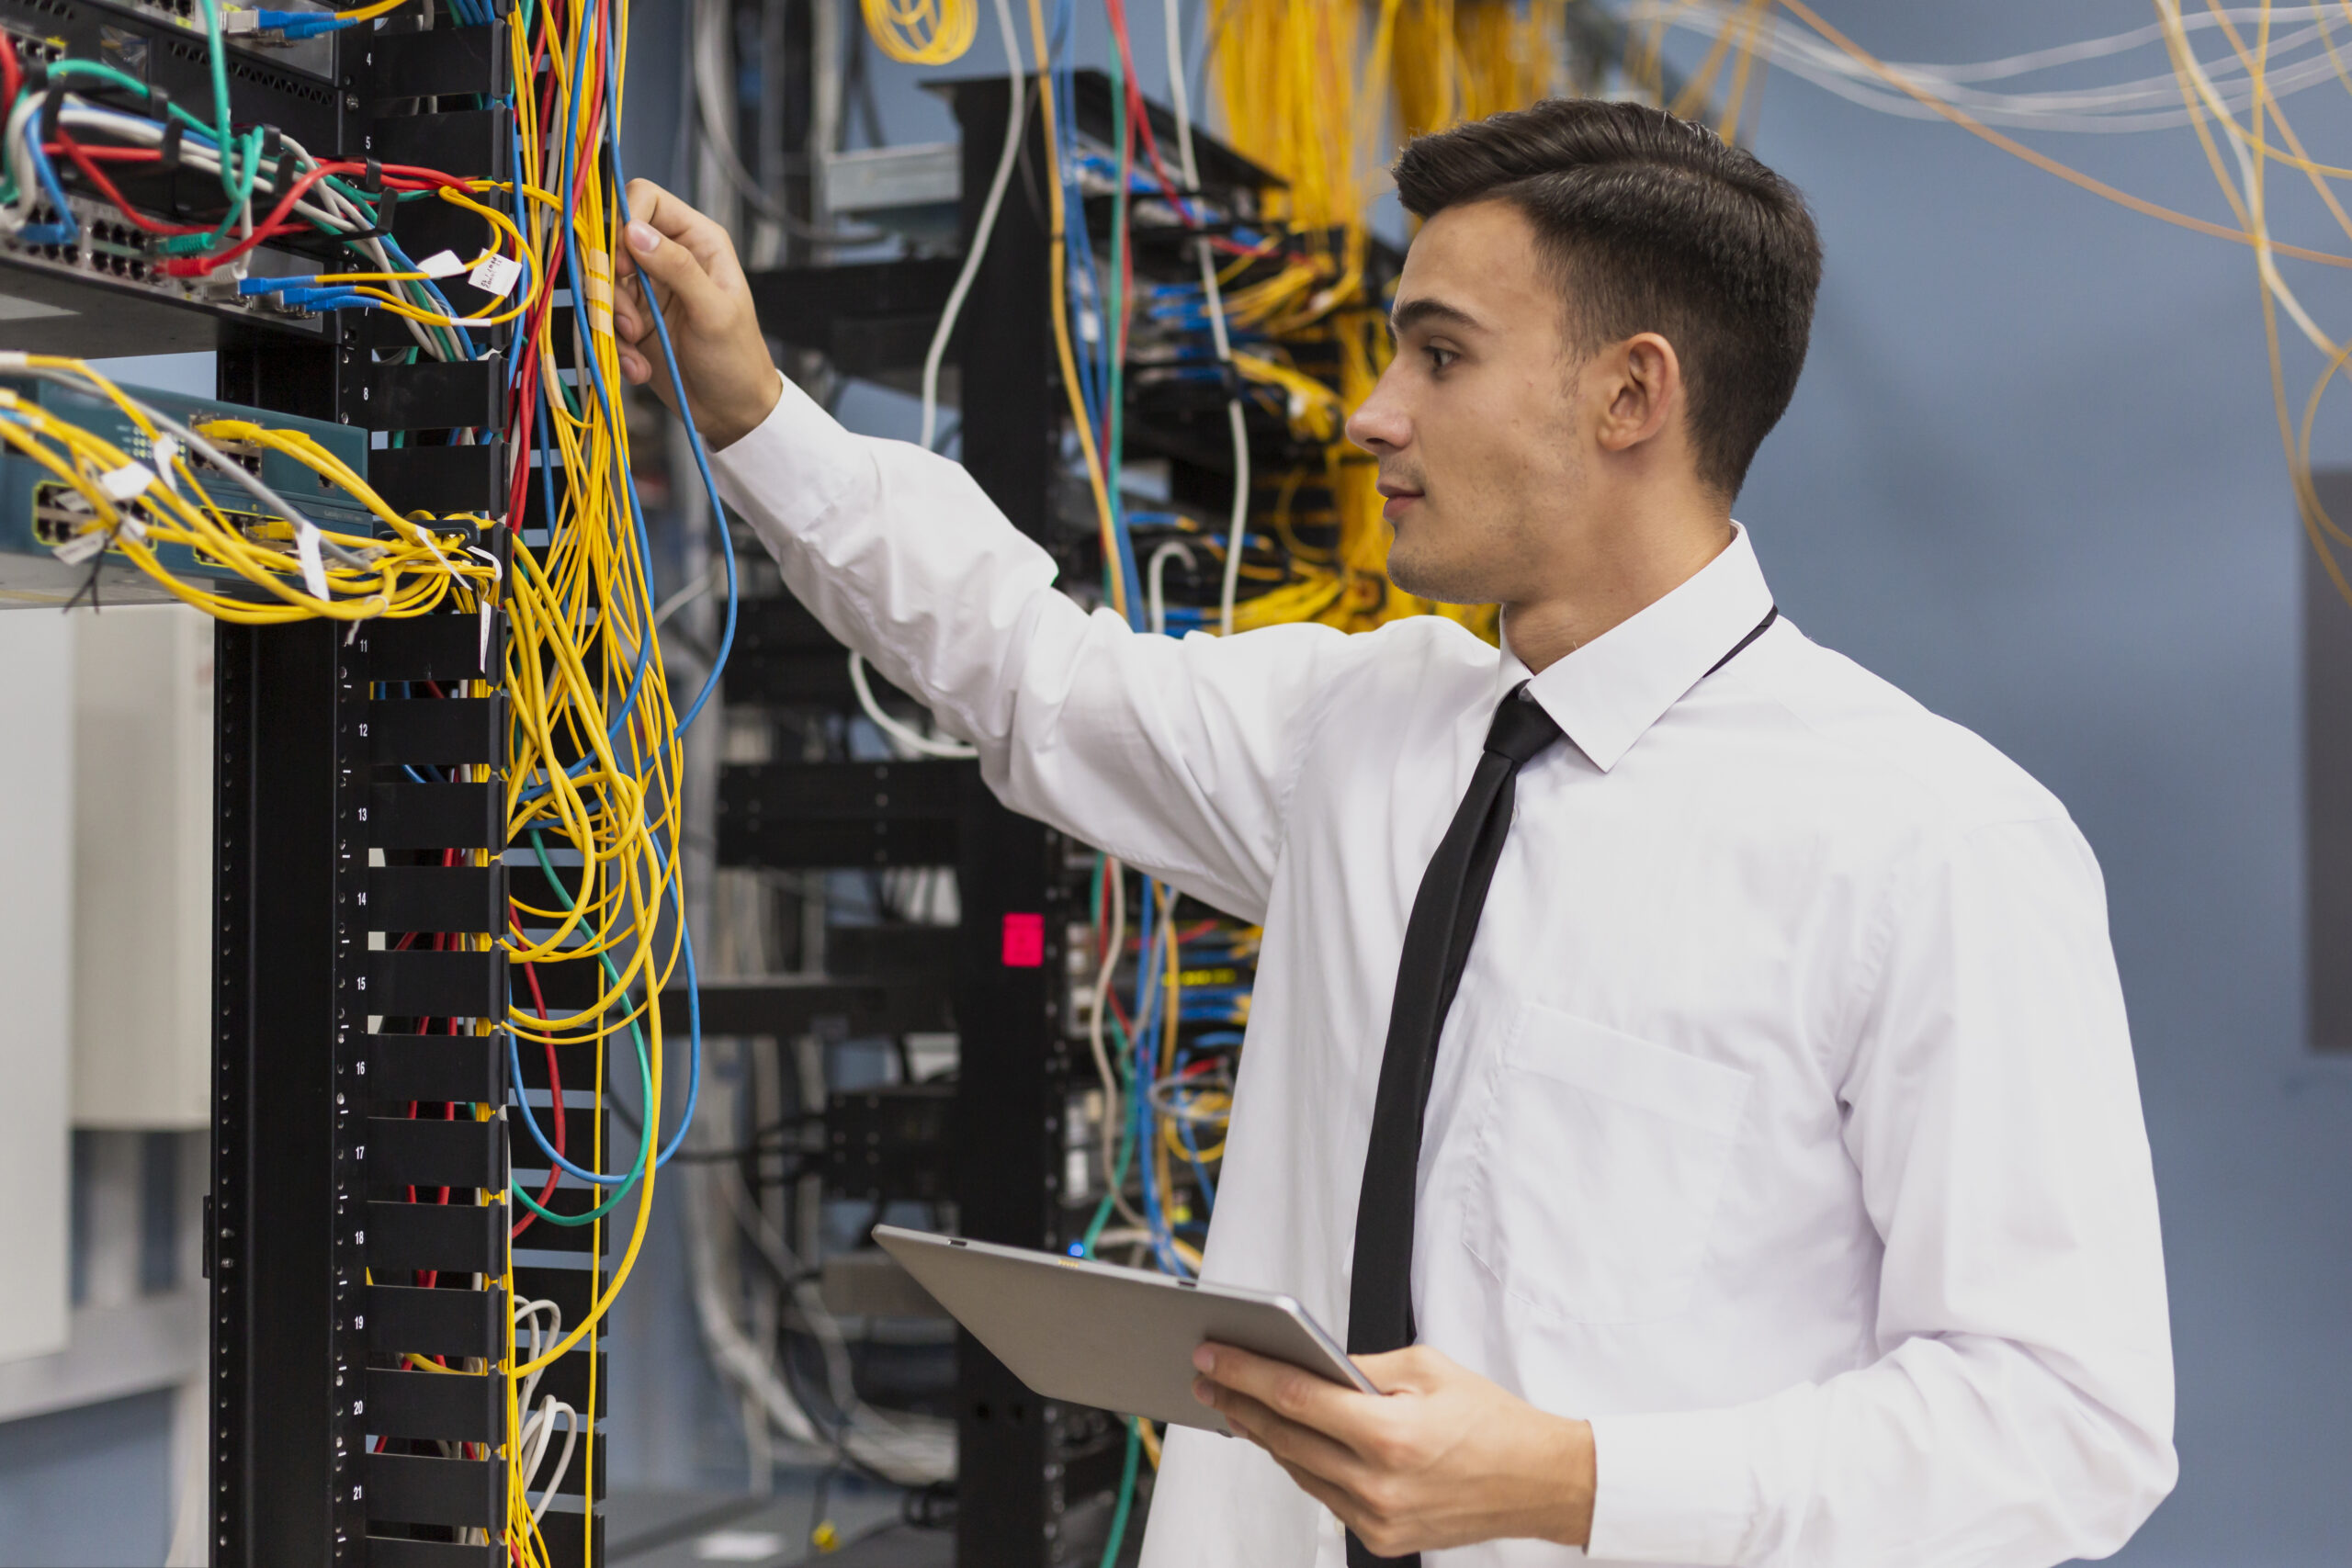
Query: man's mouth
1399, 498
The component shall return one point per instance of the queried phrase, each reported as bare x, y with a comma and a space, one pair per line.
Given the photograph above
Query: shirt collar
1606, 694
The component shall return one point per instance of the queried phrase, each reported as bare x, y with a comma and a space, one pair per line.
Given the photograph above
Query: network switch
38, 512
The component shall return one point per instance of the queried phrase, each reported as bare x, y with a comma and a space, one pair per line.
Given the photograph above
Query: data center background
2031, 477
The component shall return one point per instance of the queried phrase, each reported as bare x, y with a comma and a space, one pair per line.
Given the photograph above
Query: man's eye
1439, 357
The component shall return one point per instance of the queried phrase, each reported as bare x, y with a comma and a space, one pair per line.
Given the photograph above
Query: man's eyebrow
1413, 312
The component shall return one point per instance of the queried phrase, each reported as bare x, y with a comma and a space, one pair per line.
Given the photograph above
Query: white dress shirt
1785, 1126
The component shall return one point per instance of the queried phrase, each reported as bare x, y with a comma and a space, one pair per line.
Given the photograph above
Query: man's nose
1378, 425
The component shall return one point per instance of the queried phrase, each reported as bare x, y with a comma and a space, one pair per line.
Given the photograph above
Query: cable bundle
1460, 60
595, 759
107, 500
923, 32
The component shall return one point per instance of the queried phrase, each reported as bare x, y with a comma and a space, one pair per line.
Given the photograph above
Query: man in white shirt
1771, 1186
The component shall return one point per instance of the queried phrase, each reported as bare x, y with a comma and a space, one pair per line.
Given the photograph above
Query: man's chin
1448, 583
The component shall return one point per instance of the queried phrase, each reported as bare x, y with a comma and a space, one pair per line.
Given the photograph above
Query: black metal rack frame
330, 1282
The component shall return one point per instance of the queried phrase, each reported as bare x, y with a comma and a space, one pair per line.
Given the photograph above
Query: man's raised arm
1173, 756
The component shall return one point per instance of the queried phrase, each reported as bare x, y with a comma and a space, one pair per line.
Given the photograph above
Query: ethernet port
246, 455
59, 513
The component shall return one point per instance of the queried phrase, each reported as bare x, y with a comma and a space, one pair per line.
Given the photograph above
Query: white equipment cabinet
142, 867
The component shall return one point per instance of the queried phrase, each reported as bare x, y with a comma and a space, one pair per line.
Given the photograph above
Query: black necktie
1437, 944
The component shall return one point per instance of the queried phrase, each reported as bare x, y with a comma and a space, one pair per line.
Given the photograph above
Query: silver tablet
1121, 1339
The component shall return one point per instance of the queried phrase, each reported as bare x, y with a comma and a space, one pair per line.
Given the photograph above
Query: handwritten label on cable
496, 275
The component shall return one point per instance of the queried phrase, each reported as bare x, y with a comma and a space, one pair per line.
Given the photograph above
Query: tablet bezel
1085, 1332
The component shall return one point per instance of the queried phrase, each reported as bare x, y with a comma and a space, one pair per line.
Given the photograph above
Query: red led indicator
1024, 942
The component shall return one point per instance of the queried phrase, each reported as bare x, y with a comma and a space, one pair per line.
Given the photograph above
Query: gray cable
1014, 124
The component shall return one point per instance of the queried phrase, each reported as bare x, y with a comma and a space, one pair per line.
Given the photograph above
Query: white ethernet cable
1179, 99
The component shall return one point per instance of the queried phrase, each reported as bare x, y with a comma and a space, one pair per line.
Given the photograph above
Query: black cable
823, 1496
826, 1416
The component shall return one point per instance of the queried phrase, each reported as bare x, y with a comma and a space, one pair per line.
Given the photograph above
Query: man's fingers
674, 274
1290, 1391
633, 320
1284, 1438
1335, 1498
681, 225
628, 319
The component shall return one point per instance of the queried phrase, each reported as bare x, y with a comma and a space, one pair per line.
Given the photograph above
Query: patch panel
105, 293
106, 247
315, 56
35, 49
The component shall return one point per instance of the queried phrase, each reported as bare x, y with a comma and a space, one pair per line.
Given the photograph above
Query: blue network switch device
37, 512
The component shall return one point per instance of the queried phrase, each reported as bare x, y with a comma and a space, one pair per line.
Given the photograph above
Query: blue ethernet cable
694, 1039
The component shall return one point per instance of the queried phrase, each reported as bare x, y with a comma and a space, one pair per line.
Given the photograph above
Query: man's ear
1642, 380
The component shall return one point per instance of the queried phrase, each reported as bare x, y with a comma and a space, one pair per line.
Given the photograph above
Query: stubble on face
1476, 536
1494, 453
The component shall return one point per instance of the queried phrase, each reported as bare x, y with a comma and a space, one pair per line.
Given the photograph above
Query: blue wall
87, 1488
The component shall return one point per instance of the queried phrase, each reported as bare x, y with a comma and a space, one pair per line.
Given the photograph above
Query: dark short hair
1655, 224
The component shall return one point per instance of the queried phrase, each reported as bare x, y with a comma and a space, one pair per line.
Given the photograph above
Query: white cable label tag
134, 525
496, 576
306, 548
167, 454
132, 478
442, 263
80, 547
496, 275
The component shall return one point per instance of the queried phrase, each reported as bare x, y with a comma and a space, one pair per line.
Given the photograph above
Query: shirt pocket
1601, 1159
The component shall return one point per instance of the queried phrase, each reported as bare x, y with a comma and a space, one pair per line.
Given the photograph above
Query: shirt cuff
793, 465
1677, 1488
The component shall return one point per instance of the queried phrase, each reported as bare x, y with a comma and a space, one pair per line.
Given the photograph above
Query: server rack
316, 1413
309, 1243
1035, 1478
324, 1272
